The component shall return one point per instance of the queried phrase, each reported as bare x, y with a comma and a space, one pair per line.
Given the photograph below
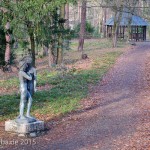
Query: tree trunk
132, 11
115, 36
104, 21
51, 57
117, 19
82, 26
114, 30
81, 44
99, 23
45, 50
59, 50
67, 23
32, 42
60, 38
7, 50
79, 13
129, 29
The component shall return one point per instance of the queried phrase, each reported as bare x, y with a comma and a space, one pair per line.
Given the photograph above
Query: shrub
89, 30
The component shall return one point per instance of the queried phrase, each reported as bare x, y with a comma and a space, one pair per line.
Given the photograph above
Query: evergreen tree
25, 16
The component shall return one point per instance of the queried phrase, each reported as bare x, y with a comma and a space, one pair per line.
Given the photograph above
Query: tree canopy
28, 17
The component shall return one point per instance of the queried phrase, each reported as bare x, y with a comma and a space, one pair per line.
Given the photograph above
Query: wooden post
145, 33
106, 31
131, 34
123, 31
137, 33
111, 31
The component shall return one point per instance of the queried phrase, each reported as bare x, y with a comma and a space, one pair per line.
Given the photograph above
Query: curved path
115, 113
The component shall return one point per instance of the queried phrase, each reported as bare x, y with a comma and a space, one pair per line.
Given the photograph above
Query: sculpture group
27, 78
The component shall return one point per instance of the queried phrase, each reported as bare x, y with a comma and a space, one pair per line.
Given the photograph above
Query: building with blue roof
137, 25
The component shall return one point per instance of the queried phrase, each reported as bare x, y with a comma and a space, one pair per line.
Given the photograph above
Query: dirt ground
115, 116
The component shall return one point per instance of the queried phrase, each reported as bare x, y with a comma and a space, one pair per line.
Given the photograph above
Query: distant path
116, 113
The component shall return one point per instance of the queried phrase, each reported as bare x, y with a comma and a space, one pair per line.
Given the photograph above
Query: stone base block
25, 128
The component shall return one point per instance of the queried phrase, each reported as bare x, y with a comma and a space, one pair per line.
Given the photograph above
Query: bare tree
130, 5
117, 9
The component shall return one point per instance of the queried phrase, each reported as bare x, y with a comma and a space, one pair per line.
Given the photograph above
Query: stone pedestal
24, 128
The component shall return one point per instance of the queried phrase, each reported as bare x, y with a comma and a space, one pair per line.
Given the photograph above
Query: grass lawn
68, 88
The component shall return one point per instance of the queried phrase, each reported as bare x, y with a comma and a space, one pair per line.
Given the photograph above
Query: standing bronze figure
27, 78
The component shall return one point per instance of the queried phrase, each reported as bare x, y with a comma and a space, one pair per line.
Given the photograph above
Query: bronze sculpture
27, 78
24, 124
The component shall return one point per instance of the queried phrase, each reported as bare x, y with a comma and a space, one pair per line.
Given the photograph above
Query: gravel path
112, 120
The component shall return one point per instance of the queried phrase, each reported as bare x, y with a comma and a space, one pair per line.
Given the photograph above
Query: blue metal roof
136, 20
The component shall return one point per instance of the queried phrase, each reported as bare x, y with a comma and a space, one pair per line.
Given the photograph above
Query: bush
89, 30
96, 33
